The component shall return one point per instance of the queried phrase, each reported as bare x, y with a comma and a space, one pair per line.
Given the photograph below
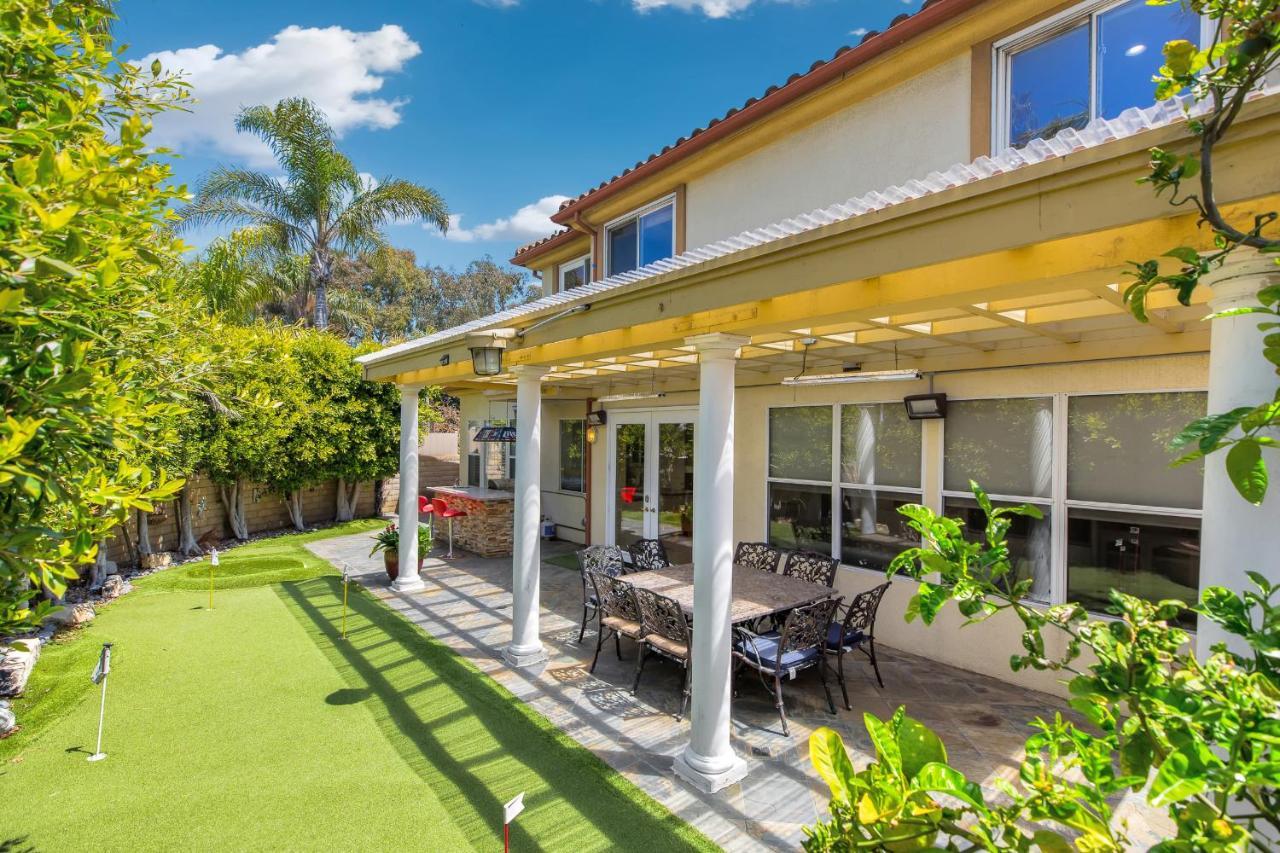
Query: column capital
717, 344
529, 371
1236, 283
411, 387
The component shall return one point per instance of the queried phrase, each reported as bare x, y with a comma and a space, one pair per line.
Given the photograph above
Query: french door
651, 479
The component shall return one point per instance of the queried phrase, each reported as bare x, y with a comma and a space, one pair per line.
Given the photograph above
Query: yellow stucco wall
917, 126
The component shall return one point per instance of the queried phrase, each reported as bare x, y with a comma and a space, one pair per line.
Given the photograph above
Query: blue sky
500, 105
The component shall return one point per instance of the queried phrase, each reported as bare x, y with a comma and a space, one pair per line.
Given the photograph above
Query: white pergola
1236, 535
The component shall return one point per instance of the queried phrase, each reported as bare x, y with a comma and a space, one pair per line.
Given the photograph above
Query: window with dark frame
572, 453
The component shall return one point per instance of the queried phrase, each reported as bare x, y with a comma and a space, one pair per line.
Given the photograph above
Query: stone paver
467, 605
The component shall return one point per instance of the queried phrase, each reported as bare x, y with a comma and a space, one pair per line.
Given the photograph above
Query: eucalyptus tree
320, 208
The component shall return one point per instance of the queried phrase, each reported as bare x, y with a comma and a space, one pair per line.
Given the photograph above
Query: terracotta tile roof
821, 72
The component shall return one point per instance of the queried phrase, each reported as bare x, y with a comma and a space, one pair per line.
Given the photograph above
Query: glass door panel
629, 497
674, 518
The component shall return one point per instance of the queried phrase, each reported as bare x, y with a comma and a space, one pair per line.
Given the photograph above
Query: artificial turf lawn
254, 726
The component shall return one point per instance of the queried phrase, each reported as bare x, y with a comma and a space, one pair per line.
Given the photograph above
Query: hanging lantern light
486, 354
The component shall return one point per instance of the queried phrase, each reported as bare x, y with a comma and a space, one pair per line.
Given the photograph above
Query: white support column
1236, 536
708, 762
526, 552
407, 579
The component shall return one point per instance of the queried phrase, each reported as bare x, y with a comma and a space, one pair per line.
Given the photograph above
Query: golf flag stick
509, 812
345, 571
100, 677
213, 561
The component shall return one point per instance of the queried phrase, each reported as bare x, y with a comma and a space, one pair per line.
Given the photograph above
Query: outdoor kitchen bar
487, 526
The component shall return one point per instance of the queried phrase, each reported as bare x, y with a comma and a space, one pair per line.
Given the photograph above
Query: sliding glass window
800, 512
1006, 447
1133, 522
879, 473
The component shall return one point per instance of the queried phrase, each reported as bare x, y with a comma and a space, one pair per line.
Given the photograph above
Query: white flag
513, 808
104, 664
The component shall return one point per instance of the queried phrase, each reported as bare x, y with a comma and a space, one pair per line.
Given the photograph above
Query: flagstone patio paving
467, 604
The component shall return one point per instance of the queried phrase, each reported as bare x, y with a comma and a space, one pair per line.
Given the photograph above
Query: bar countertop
474, 493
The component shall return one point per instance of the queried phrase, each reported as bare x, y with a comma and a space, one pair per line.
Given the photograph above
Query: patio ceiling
1044, 328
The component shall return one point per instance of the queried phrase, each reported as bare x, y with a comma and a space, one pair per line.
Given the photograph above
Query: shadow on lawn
421, 711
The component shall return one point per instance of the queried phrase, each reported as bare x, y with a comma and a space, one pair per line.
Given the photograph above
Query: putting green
255, 726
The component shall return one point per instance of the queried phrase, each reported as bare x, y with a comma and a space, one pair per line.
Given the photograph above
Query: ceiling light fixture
617, 398
850, 378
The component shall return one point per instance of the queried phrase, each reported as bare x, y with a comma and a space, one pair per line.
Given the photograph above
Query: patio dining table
756, 594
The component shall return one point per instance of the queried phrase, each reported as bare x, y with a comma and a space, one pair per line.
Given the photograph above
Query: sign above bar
496, 433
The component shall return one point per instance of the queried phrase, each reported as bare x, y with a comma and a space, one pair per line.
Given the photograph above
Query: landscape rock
161, 560
8, 722
114, 587
72, 615
16, 664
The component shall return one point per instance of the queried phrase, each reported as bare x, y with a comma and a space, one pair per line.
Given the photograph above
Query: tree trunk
187, 545
101, 567
233, 501
348, 497
321, 272
293, 501
379, 487
144, 535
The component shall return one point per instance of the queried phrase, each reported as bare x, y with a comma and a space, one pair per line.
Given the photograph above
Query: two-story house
732, 329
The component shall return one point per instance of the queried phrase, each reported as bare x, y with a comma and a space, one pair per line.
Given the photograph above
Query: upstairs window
575, 273
1096, 60
642, 237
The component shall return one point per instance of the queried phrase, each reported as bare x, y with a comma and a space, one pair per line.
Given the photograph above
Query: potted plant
387, 541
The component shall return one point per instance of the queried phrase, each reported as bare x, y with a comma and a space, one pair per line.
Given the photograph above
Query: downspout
586, 480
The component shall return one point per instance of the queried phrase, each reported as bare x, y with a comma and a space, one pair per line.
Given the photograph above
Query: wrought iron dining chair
647, 555
758, 555
800, 645
856, 631
607, 559
812, 567
618, 613
665, 631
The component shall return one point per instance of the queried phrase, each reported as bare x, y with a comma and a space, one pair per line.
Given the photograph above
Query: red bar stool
425, 508
445, 511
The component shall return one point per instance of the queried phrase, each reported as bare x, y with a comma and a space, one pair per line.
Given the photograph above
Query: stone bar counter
488, 526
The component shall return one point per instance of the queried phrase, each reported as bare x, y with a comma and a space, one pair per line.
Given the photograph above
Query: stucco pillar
1236, 536
407, 580
526, 551
708, 762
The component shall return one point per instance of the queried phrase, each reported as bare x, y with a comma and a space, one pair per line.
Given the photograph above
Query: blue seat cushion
836, 638
762, 651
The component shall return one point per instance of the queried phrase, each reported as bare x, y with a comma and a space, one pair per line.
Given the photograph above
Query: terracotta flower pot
391, 560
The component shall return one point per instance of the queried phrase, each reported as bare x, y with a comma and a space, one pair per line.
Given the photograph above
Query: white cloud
710, 8
336, 68
859, 32
530, 222
497, 4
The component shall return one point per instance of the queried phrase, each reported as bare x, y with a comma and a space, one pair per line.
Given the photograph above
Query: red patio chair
425, 508
445, 511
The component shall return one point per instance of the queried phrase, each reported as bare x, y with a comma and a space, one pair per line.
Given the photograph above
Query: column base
520, 657
708, 781
407, 585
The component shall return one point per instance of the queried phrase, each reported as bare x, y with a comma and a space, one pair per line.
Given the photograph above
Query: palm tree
320, 208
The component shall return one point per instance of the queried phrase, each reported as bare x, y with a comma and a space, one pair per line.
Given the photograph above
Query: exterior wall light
926, 407
486, 354
591, 435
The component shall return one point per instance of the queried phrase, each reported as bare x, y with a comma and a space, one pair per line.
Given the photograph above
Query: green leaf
1179, 777
1247, 470
941, 778
829, 758
918, 746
